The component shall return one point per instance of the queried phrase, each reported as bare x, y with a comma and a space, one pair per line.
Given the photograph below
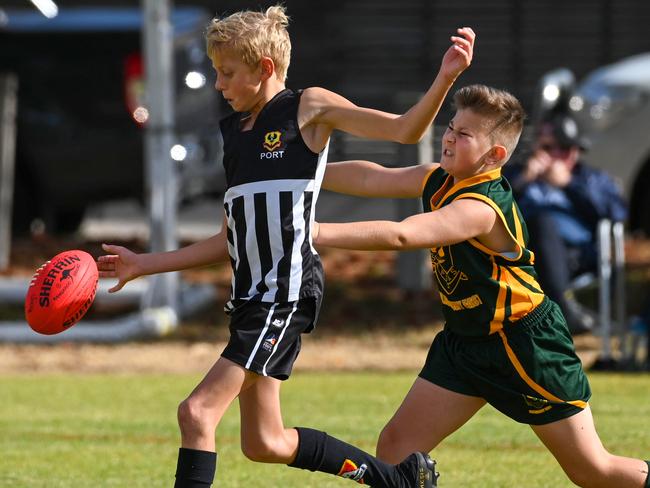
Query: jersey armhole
517, 240
426, 179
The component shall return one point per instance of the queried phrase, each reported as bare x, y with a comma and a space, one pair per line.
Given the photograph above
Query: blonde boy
504, 342
275, 147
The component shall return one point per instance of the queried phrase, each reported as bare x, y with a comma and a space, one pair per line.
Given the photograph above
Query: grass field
120, 431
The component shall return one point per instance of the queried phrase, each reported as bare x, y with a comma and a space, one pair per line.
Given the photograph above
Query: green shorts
529, 370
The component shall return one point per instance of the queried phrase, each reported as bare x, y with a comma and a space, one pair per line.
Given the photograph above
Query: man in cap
562, 199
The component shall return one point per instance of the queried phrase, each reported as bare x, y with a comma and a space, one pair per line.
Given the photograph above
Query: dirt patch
377, 354
196, 358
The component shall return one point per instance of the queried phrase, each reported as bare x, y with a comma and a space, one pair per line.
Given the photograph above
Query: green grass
120, 431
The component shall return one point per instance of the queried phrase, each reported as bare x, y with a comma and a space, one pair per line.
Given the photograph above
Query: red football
61, 292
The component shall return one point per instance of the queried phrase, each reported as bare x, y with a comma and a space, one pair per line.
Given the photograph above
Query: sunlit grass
120, 431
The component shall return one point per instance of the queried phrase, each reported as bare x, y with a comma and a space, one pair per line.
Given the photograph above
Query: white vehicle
612, 108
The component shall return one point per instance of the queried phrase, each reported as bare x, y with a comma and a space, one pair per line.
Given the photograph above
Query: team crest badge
350, 471
447, 275
272, 140
535, 402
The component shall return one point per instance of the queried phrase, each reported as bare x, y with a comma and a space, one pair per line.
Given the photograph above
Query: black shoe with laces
418, 471
427, 476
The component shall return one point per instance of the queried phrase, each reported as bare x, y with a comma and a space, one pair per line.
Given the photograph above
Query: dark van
82, 108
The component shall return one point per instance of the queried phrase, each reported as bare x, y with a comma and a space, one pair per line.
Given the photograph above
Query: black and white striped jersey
273, 180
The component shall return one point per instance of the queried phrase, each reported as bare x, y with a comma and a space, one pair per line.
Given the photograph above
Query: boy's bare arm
368, 179
125, 265
320, 106
203, 253
457, 222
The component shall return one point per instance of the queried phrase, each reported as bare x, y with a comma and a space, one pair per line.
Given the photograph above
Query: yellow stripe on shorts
529, 381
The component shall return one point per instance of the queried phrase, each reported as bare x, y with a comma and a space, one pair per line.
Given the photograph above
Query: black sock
195, 469
318, 451
647, 480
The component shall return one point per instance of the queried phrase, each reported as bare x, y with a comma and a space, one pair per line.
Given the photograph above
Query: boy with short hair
504, 342
275, 147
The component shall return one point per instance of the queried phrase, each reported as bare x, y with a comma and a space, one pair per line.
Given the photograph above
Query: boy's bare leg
263, 435
575, 444
428, 414
198, 417
201, 412
265, 439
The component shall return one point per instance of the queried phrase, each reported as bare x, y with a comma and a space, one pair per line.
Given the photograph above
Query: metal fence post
8, 105
161, 174
618, 242
413, 267
604, 288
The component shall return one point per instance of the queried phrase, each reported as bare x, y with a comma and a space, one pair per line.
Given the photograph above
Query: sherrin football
61, 292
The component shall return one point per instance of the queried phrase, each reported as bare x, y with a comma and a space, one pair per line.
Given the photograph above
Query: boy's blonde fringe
253, 35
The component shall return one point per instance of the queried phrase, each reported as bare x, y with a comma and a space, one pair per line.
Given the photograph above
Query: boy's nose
218, 84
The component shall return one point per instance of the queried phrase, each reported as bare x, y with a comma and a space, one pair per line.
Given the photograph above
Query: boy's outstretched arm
335, 111
368, 179
125, 265
459, 221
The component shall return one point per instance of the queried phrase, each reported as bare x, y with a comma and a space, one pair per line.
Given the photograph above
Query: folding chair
610, 280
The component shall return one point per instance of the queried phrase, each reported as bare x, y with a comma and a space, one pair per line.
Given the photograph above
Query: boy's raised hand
459, 56
120, 263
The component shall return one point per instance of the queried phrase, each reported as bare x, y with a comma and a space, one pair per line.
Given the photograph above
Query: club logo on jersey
269, 342
278, 322
447, 275
272, 140
350, 471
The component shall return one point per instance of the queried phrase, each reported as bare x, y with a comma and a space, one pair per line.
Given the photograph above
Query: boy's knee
389, 445
190, 415
579, 478
593, 476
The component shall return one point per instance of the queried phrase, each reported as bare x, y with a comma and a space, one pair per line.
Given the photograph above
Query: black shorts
265, 337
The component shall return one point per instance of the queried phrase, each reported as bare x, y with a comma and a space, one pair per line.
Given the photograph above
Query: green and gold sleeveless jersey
482, 289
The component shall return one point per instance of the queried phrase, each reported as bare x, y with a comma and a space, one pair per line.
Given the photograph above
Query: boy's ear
267, 68
497, 154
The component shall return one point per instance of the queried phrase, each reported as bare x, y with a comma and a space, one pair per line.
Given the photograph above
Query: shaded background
372, 50
368, 49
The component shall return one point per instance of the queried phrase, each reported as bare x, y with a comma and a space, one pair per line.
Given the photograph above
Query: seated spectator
562, 199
